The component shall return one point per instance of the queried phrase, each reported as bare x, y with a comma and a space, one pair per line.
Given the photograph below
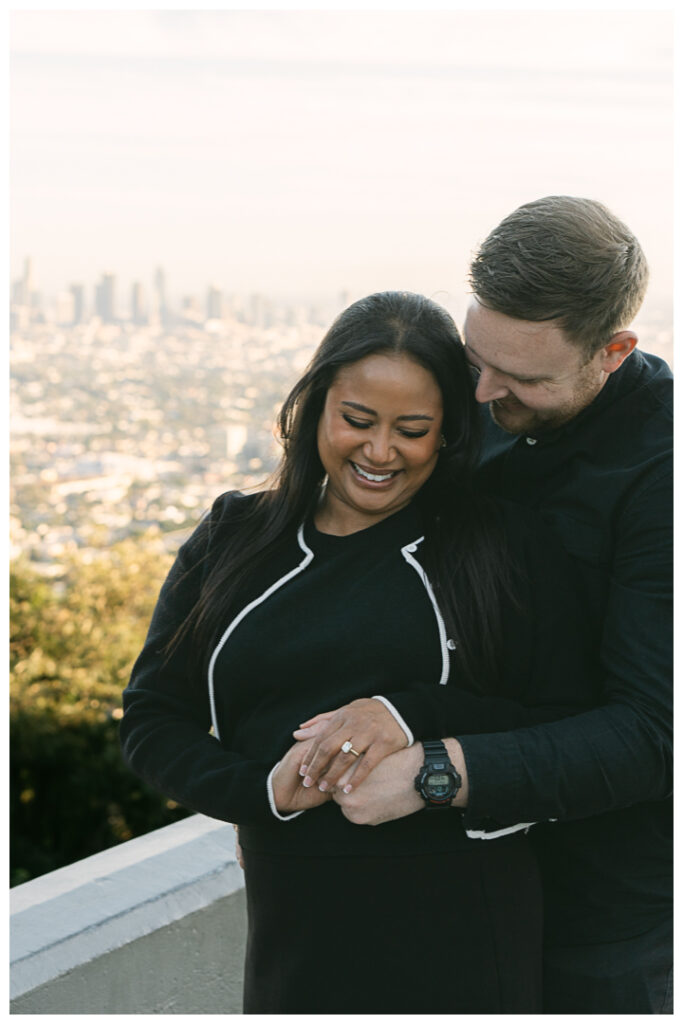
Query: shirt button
411, 547
531, 440
451, 645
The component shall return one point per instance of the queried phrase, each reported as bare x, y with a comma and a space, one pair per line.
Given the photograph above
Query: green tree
72, 647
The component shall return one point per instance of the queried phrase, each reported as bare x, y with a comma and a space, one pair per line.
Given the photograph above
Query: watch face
439, 785
438, 781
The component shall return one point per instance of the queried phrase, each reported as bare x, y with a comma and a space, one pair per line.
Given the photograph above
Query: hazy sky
310, 151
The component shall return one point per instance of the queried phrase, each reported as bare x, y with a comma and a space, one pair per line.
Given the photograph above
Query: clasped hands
370, 788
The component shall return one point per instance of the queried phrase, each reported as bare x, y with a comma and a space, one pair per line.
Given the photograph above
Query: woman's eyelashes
361, 424
413, 433
366, 424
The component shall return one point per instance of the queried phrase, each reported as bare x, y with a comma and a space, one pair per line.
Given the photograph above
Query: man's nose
490, 387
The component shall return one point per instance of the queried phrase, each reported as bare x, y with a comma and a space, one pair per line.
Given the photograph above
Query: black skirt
456, 932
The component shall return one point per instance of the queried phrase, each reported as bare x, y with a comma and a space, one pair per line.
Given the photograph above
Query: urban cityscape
131, 413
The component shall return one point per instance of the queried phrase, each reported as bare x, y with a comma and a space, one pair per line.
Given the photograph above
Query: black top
351, 618
603, 483
358, 616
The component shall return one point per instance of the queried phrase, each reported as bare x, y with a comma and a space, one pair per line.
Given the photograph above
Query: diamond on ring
346, 747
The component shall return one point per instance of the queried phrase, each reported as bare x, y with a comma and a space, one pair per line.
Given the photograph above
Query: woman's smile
373, 477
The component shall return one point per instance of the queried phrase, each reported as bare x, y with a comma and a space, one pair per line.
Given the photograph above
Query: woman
370, 570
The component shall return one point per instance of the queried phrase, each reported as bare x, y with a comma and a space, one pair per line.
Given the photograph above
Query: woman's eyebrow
372, 412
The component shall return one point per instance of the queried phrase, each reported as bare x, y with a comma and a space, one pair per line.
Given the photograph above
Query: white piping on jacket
446, 645
245, 611
407, 553
271, 798
480, 834
410, 739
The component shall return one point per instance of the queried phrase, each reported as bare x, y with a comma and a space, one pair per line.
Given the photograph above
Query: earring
443, 442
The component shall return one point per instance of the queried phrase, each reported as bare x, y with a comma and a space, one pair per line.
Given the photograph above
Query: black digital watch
438, 781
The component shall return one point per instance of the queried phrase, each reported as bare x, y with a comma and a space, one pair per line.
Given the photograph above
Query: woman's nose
378, 449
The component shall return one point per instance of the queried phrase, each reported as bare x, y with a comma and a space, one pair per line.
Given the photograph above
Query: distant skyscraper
78, 293
160, 301
214, 303
138, 312
23, 288
105, 298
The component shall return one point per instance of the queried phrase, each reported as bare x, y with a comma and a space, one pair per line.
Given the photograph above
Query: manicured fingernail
322, 787
308, 781
348, 787
303, 769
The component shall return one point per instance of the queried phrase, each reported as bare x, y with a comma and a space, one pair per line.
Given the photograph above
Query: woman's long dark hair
464, 550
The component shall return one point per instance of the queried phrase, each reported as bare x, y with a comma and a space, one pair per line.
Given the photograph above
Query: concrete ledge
75, 917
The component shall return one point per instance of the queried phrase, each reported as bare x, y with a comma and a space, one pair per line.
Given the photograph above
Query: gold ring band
348, 749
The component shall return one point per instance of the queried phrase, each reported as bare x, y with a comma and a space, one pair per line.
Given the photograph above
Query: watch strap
435, 750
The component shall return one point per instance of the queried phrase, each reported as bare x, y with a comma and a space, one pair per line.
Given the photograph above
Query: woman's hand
288, 793
371, 728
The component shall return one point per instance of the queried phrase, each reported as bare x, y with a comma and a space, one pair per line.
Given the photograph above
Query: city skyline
301, 153
119, 300
113, 301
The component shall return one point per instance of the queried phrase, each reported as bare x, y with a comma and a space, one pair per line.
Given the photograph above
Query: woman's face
378, 438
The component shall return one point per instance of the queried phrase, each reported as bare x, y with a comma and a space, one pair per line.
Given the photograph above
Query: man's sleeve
619, 753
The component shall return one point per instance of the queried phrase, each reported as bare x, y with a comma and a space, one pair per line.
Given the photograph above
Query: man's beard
514, 417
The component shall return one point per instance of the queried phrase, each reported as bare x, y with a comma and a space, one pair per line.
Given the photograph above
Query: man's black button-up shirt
603, 482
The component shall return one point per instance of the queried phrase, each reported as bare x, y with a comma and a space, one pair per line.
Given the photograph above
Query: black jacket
172, 703
603, 482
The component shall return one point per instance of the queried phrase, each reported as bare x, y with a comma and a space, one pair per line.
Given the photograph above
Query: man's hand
288, 792
372, 729
389, 791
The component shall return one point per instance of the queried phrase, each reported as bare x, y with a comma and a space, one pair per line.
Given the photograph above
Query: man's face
532, 377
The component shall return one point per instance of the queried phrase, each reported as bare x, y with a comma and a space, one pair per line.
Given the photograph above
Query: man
579, 429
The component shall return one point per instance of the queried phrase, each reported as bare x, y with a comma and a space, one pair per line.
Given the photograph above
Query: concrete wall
156, 925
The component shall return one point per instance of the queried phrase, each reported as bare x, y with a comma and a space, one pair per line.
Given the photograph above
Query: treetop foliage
73, 642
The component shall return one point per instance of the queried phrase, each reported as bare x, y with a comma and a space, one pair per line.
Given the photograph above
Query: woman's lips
372, 478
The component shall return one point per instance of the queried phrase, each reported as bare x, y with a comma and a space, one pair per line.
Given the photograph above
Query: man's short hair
566, 259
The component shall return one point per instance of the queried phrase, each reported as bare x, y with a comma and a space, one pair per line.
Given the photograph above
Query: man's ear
617, 349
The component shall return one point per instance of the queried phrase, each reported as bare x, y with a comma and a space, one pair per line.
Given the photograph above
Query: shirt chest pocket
586, 542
